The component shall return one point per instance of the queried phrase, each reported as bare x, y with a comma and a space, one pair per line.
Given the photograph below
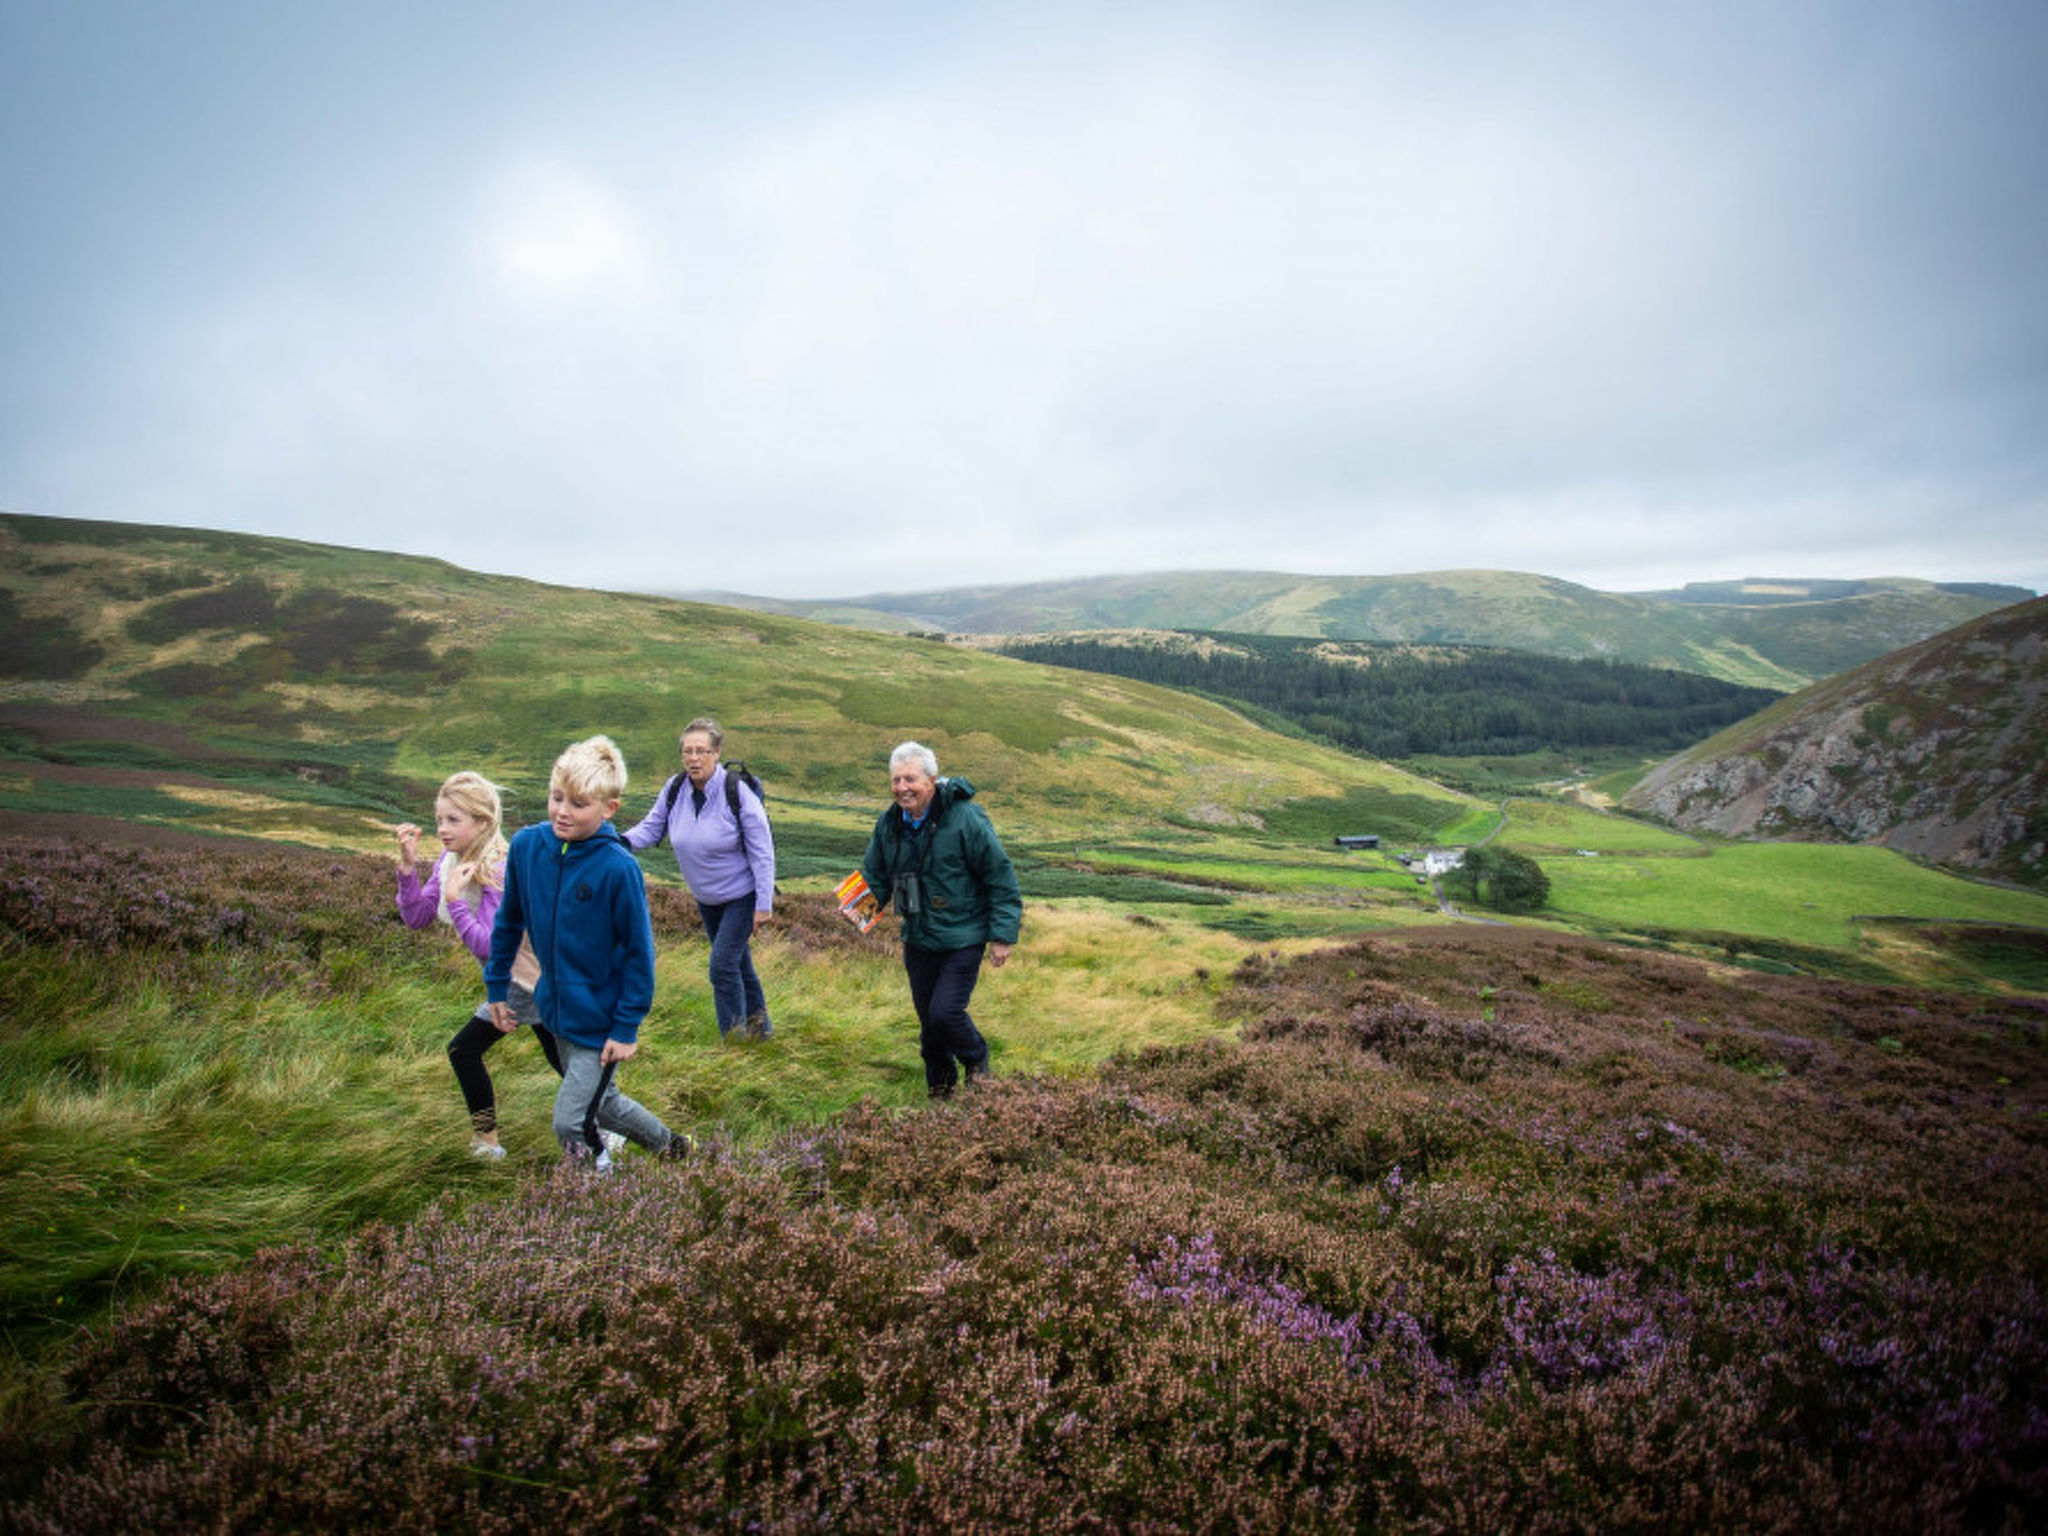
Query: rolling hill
1780, 634
217, 682
1399, 701
1939, 749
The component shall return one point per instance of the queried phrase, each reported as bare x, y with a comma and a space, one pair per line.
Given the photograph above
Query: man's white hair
915, 752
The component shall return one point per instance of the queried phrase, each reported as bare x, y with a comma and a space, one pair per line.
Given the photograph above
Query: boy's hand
617, 1050
502, 1019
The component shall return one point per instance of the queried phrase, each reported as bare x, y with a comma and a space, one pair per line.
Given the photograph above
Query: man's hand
502, 1019
998, 954
617, 1050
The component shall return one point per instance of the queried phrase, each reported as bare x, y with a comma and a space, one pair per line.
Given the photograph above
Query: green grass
1558, 826
1808, 894
160, 1117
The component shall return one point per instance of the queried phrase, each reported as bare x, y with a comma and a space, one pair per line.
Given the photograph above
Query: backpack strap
732, 802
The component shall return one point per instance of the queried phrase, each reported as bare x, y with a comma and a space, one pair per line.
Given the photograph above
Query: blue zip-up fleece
585, 906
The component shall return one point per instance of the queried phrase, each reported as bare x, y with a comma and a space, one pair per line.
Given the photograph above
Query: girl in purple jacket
462, 888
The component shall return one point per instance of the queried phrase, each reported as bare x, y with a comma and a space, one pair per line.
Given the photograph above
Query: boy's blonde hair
593, 769
477, 797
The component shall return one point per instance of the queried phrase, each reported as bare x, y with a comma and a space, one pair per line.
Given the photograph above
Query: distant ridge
1780, 633
1939, 750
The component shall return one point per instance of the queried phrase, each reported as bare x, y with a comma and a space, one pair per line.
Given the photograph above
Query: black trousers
941, 982
466, 1055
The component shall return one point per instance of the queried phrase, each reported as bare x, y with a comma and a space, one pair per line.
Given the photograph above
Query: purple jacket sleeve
418, 902
650, 829
473, 924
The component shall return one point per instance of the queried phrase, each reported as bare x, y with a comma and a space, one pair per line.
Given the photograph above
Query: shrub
1384, 1263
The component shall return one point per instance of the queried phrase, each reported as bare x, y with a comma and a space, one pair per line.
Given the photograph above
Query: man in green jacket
935, 858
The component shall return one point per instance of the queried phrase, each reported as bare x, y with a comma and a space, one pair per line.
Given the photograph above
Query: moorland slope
230, 684
1476, 1232
1766, 634
1939, 750
1472, 1228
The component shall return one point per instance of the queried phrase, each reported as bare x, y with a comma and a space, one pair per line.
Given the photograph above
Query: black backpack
736, 774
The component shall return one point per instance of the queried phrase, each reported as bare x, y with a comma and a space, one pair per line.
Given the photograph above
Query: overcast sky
821, 299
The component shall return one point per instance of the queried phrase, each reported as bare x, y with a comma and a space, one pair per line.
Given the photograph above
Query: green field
1805, 893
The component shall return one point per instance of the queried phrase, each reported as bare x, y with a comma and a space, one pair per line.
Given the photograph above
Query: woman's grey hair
704, 725
915, 752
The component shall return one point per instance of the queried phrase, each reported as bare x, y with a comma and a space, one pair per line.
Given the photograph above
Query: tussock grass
170, 1104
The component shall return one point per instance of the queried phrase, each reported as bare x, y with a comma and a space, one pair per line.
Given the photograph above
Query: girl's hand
463, 876
408, 846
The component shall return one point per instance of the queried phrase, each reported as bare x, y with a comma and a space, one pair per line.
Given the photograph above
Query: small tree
1498, 878
1518, 883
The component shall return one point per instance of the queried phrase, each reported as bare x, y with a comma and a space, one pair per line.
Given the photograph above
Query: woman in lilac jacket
719, 831
463, 888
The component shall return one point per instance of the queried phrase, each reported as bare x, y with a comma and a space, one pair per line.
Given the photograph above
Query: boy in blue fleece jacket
573, 886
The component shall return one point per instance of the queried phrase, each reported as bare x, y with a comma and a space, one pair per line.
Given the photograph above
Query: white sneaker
614, 1143
489, 1151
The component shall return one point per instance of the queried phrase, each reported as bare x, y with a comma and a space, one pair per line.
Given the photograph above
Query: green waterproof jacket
962, 890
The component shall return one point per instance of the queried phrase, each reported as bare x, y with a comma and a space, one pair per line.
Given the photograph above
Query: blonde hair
478, 798
592, 769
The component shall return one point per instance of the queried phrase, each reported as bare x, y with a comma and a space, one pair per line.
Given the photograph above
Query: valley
1495, 1204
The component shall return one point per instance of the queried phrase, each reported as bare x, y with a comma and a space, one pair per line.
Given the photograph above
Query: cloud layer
811, 303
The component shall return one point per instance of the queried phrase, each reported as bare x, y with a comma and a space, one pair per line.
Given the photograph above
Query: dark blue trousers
735, 988
941, 982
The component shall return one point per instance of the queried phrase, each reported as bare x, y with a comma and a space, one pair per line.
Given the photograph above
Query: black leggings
466, 1054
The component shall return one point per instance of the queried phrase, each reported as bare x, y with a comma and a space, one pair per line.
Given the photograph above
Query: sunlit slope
295, 690
1773, 635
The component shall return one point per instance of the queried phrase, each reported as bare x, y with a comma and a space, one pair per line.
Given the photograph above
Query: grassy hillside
1939, 749
1778, 635
314, 694
163, 682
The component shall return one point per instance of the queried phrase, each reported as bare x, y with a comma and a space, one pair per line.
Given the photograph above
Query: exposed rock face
1939, 750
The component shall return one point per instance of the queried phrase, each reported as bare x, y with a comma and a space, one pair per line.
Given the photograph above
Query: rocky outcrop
1939, 750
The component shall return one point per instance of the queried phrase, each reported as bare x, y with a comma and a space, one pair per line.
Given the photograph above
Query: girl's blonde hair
477, 797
